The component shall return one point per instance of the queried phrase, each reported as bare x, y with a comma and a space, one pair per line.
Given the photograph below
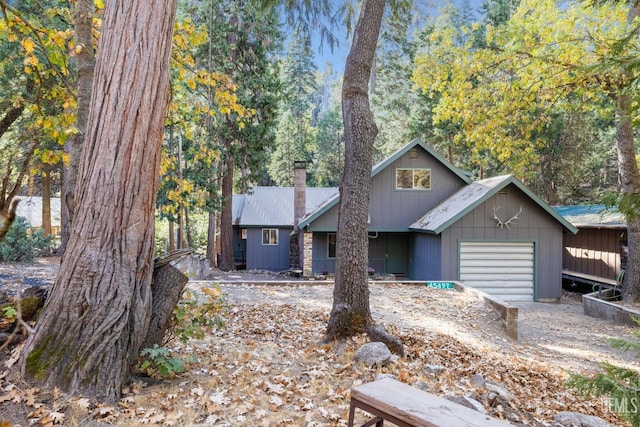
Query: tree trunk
9, 118
167, 286
630, 183
97, 315
85, 60
227, 261
211, 240
629, 180
187, 227
46, 200
172, 237
351, 313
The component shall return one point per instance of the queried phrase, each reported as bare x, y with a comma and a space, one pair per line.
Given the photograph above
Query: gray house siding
394, 210
533, 225
388, 253
321, 261
268, 257
327, 222
426, 256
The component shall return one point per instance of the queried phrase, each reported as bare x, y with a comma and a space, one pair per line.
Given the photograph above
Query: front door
396, 254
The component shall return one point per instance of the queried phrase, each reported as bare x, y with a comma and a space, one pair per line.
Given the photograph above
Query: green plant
160, 364
22, 244
621, 385
192, 315
9, 311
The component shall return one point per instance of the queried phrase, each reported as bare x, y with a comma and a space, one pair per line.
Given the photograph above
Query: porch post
307, 254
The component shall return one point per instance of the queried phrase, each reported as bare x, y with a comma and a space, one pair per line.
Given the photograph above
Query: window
331, 245
243, 234
269, 236
413, 179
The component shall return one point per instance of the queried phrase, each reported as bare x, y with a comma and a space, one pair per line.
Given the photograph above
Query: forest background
248, 99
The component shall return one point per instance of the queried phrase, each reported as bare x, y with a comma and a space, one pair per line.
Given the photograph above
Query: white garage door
504, 270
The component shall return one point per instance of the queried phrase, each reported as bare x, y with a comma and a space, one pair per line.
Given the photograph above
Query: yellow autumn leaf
28, 45
214, 293
31, 61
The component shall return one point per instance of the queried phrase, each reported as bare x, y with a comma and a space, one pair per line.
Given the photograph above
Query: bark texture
227, 261
167, 286
98, 312
629, 179
351, 312
85, 60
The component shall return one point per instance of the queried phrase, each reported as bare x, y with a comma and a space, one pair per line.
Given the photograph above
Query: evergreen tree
295, 135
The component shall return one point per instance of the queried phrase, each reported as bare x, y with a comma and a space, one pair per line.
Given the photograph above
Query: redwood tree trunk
85, 60
351, 313
97, 315
227, 261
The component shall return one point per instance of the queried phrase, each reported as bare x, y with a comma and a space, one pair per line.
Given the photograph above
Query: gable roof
415, 143
383, 165
464, 201
592, 216
273, 206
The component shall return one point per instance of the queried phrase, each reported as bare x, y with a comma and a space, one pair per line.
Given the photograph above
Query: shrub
21, 244
620, 384
160, 364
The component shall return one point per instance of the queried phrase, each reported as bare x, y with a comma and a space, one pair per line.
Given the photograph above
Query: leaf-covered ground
267, 365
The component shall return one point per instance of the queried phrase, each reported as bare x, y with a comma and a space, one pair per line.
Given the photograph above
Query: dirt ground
276, 330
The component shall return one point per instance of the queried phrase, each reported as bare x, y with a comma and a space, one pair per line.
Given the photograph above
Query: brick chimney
299, 209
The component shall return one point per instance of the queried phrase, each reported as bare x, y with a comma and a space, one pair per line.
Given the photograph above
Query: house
428, 221
31, 209
597, 254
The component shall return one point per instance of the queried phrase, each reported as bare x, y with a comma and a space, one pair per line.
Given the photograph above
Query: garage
501, 269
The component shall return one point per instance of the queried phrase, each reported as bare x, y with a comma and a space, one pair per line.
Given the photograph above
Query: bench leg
352, 410
379, 422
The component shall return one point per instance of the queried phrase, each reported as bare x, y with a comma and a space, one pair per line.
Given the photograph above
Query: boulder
576, 419
373, 354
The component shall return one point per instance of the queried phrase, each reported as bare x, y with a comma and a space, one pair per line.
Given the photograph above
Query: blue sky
339, 54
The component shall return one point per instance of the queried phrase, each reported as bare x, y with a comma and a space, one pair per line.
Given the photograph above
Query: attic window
413, 179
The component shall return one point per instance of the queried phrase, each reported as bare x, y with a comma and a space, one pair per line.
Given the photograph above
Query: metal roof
273, 206
592, 216
468, 198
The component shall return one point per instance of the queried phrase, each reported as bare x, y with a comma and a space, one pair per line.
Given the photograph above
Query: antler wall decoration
505, 224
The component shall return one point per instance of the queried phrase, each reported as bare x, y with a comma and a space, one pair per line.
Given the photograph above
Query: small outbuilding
598, 253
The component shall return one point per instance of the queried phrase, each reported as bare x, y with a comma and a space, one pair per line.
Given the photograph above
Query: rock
373, 354
381, 376
435, 370
478, 380
421, 385
499, 389
469, 402
575, 419
495, 389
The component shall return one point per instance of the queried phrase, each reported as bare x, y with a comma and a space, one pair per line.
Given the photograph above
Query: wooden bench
406, 406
